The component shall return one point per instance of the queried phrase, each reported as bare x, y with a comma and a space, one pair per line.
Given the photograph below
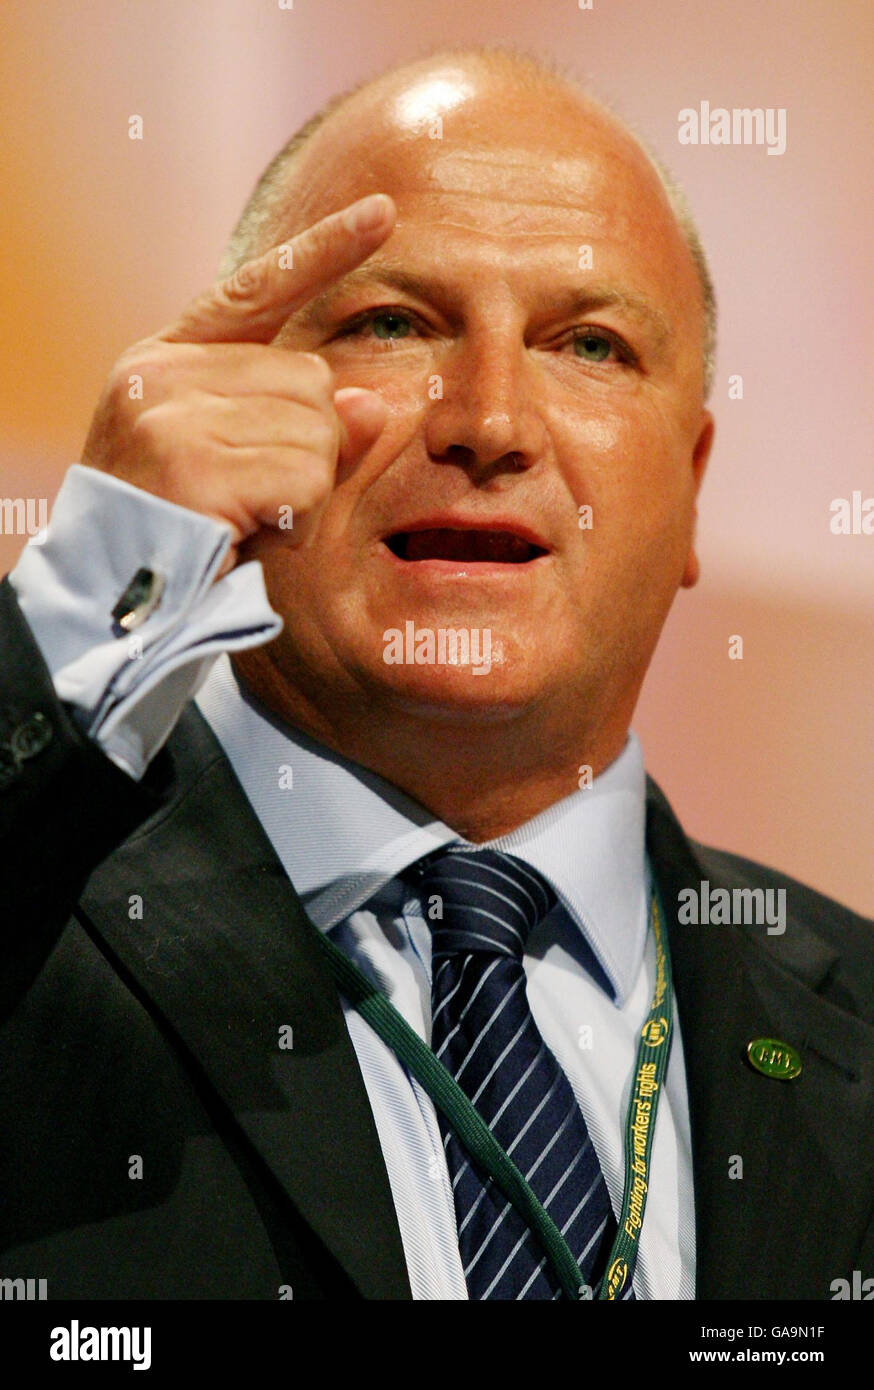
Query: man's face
534, 326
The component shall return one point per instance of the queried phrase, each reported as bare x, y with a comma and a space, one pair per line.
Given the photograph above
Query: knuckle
118, 381
241, 285
321, 242
140, 374
317, 372
152, 428
316, 240
324, 437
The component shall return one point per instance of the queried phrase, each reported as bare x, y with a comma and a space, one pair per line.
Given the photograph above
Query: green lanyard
476, 1137
652, 1062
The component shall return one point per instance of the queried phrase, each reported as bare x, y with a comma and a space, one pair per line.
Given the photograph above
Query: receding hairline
531, 72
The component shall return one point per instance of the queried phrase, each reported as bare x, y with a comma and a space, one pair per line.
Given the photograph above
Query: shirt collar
342, 832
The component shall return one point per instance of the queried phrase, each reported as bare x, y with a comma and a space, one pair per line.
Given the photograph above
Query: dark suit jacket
153, 1031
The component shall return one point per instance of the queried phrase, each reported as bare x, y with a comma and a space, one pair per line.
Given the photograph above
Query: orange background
105, 238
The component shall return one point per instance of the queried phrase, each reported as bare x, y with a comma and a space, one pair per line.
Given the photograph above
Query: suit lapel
222, 956
221, 953
796, 1218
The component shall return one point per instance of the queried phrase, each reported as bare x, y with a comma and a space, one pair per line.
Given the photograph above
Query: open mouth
467, 546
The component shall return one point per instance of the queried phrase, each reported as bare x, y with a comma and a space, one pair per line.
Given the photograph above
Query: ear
700, 455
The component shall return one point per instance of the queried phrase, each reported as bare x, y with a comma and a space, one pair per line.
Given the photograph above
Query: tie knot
486, 901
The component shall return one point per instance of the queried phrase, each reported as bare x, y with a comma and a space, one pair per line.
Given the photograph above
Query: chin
485, 687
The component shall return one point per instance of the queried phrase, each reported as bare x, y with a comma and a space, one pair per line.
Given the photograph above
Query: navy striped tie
484, 1033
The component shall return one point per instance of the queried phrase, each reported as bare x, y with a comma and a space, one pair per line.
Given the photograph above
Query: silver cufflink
139, 600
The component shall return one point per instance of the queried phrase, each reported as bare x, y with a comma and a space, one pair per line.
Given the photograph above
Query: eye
593, 345
388, 324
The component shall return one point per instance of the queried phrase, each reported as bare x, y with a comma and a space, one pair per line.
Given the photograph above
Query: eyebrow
563, 302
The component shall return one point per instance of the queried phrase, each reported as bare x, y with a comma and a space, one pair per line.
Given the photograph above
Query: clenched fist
228, 425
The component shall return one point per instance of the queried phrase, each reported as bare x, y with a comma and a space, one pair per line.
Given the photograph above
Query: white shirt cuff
131, 687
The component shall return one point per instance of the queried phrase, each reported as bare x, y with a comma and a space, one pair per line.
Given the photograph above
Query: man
451, 397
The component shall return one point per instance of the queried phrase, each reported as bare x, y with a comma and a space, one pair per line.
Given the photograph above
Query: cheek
600, 436
629, 462
625, 458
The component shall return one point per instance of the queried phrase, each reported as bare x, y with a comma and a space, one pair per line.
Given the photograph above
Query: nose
485, 418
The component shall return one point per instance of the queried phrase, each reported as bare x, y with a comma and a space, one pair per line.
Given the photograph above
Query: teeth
500, 547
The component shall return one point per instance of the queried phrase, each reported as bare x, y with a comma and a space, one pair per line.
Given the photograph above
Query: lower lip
464, 569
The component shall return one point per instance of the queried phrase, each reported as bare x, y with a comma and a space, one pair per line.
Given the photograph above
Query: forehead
522, 168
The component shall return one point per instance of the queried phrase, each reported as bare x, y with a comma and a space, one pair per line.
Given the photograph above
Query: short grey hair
532, 71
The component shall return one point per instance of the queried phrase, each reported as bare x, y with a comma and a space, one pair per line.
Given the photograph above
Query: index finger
251, 305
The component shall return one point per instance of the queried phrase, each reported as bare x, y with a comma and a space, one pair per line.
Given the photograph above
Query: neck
482, 778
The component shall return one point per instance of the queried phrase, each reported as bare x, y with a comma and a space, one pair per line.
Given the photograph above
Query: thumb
362, 417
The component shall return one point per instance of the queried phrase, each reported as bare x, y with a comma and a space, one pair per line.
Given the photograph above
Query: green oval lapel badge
774, 1058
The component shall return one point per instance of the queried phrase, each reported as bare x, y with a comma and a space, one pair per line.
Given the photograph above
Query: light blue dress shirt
343, 834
